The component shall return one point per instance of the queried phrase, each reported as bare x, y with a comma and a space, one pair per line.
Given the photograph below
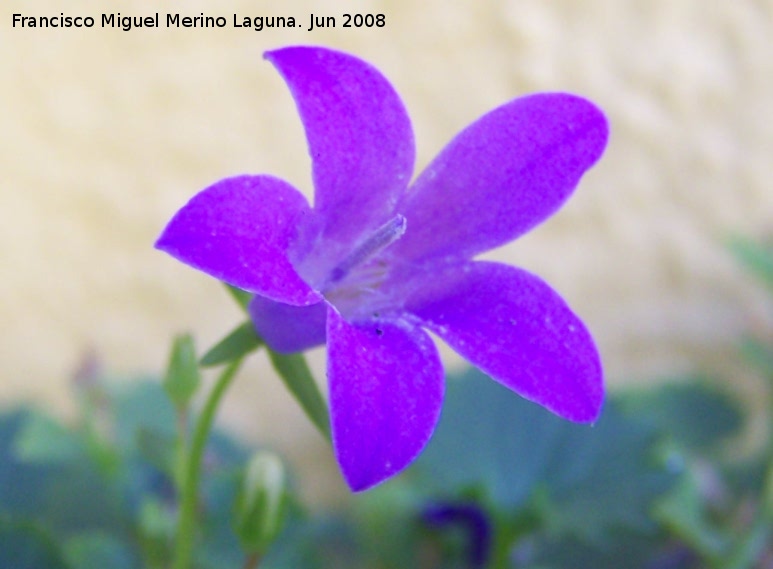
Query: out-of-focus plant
502, 484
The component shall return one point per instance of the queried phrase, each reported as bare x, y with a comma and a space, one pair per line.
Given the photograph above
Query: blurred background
104, 134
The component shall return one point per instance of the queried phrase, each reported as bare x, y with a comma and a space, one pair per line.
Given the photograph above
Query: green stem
186, 527
181, 450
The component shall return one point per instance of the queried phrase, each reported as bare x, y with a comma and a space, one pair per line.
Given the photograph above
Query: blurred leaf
156, 531
80, 498
683, 512
759, 354
41, 439
586, 479
66, 495
242, 297
182, 377
324, 542
754, 545
21, 482
219, 546
696, 413
24, 545
158, 449
295, 373
156, 519
240, 342
622, 551
606, 478
142, 405
757, 258
387, 521
98, 550
483, 430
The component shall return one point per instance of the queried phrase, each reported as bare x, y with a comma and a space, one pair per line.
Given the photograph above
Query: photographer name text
157, 20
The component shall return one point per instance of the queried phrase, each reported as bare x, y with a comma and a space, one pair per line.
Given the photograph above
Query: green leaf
759, 354
757, 258
295, 373
24, 545
241, 341
43, 440
79, 497
140, 406
219, 545
98, 550
159, 449
182, 374
156, 531
66, 495
625, 550
580, 480
387, 521
156, 520
753, 544
242, 297
318, 543
696, 413
22, 483
683, 512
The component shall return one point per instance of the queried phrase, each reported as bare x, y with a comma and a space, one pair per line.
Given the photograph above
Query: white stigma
384, 236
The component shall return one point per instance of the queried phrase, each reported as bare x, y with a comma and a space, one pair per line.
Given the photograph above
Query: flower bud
260, 507
182, 377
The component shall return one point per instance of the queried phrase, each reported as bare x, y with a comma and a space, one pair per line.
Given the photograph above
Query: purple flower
472, 518
379, 261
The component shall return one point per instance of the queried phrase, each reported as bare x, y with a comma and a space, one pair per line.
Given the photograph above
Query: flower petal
518, 330
501, 176
386, 390
238, 230
287, 328
360, 138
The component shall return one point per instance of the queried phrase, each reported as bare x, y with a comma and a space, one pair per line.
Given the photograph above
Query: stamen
384, 236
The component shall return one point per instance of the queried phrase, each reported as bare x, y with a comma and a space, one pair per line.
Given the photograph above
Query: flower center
353, 285
384, 236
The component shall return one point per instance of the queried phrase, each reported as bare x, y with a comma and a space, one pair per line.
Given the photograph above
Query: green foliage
21, 483
98, 550
292, 368
240, 342
66, 502
579, 479
692, 410
756, 257
760, 355
547, 481
621, 491
25, 545
44, 440
622, 550
295, 373
241, 297
141, 407
685, 514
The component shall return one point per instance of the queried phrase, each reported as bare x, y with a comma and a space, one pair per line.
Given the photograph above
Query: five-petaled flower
379, 261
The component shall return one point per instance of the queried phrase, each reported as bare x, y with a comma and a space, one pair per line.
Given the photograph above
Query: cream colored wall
105, 133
